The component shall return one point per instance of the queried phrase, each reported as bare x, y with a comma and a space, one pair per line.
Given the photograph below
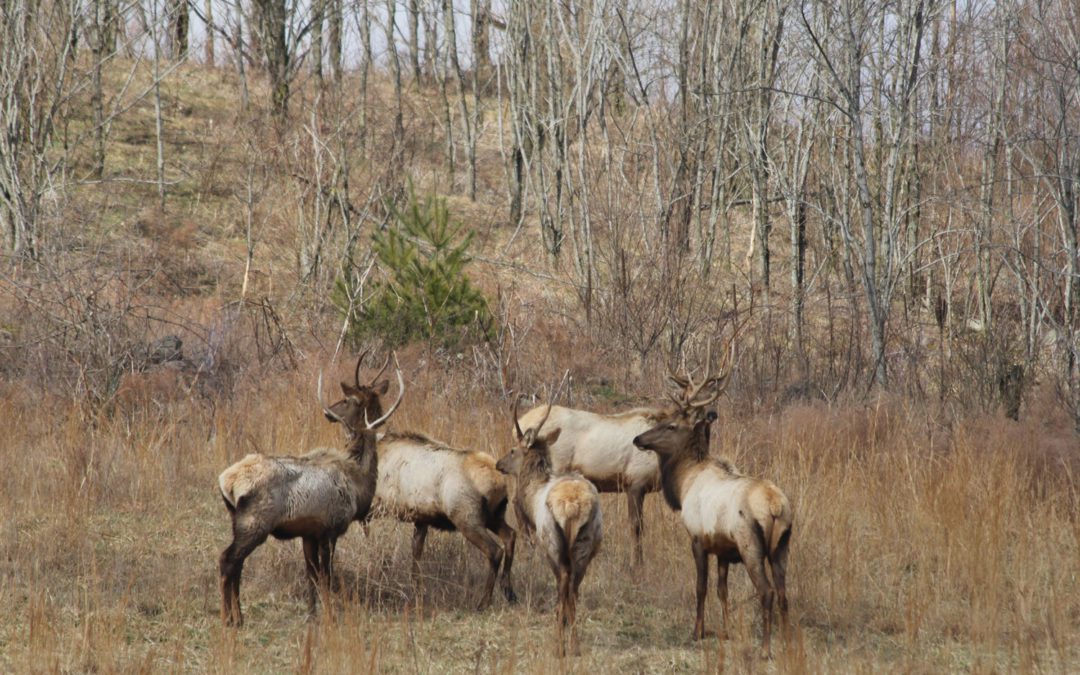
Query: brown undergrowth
919, 545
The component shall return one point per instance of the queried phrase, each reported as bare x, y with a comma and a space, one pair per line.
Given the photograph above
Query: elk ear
348, 389
551, 437
382, 387
529, 438
336, 409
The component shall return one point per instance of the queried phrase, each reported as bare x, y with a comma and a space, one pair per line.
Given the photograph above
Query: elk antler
382, 370
326, 411
514, 413
356, 374
401, 395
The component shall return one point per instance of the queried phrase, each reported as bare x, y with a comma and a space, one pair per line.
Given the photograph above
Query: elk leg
311, 568
778, 562
419, 537
509, 541
755, 567
493, 551
571, 614
562, 615
635, 502
721, 593
701, 562
231, 566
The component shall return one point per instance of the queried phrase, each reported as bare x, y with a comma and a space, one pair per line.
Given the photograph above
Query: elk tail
777, 526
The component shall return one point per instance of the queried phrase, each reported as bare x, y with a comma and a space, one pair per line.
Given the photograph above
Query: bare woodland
886, 194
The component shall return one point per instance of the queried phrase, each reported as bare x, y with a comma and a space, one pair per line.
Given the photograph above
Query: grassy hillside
928, 537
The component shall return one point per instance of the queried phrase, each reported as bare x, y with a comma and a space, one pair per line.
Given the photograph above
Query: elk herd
561, 460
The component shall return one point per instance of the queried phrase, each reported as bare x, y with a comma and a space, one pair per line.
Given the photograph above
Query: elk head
530, 445
361, 403
678, 438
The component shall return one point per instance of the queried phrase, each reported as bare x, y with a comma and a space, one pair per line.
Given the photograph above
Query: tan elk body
315, 496
430, 484
731, 516
563, 513
601, 448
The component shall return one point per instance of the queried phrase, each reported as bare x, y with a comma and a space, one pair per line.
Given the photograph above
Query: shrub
423, 293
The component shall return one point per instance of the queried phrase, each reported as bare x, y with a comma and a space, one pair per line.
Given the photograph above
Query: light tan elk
729, 515
563, 511
430, 484
315, 496
601, 447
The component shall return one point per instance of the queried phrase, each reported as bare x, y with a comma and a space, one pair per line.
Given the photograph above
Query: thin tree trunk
395, 69
318, 11
335, 18
414, 37
208, 11
179, 17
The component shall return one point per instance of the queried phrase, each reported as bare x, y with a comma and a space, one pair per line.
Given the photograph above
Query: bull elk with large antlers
731, 516
315, 496
601, 448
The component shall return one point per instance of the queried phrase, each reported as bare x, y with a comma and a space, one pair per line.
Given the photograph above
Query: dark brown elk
315, 496
430, 484
562, 511
731, 516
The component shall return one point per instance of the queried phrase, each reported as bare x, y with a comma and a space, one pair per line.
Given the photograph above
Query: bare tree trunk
158, 116
272, 18
365, 67
395, 69
179, 18
99, 22
414, 37
335, 18
208, 11
480, 11
466, 119
318, 11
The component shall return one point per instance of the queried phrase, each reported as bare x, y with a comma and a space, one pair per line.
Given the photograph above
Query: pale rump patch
571, 500
480, 467
241, 477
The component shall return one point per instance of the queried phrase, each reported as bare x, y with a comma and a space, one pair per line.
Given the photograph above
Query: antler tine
554, 398
382, 370
401, 395
514, 413
678, 379
326, 411
356, 374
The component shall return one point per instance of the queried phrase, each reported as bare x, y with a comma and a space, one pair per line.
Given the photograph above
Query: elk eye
671, 427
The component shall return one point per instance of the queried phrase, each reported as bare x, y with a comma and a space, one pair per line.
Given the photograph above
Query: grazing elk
427, 483
729, 515
315, 496
601, 448
563, 511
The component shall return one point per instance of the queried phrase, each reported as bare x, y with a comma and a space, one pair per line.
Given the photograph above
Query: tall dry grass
920, 544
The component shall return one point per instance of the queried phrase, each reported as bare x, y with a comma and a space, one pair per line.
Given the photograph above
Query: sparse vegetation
602, 194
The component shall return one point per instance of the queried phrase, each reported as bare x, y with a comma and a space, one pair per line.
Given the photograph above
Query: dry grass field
918, 547
927, 538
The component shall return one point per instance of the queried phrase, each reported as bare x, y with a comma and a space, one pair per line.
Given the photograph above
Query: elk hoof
511, 596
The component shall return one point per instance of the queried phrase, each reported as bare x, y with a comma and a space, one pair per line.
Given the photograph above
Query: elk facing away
430, 484
315, 496
729, 515
601, 447
564, 513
